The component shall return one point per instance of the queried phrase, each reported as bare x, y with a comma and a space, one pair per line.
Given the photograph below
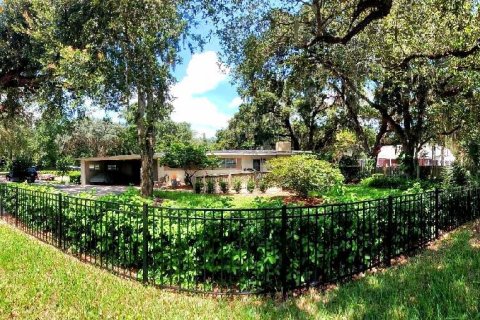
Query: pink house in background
388, 156
429, 156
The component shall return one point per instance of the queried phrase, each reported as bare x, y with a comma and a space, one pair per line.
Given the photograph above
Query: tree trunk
146, 141
291, 132
409, 159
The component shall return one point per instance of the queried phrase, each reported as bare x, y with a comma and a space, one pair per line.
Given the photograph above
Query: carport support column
83, 171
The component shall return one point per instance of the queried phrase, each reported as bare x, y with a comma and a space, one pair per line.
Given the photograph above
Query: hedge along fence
227, 251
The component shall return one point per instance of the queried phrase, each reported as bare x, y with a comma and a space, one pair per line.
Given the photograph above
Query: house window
94, 167
112, 167
228, 163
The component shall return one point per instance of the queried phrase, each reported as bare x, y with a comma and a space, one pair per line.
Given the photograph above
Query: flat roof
118, 158
255, 152
216, 153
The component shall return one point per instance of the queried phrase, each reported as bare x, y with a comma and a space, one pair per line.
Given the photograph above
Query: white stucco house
125, 169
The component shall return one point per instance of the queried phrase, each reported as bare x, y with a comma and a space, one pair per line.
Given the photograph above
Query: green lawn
348, 193
39, 282
184, 199
188, 199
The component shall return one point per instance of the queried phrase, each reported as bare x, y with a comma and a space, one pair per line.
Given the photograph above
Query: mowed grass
39, 282
348, 193
186, 199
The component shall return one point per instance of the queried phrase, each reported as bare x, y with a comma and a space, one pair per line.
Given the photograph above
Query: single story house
429, 156
125, 169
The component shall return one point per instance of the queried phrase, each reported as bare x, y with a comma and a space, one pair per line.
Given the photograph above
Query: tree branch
458, 53
380, 9
15, 79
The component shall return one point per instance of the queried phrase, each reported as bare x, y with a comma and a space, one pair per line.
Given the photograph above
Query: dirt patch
475, 240
183, 187
296, 200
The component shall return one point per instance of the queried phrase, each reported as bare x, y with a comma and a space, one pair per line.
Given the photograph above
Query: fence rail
238, 251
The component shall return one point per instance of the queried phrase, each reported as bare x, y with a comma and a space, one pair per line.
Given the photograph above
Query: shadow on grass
440, 283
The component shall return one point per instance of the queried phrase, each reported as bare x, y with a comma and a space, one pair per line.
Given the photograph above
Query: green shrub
190, 252
224, 186
210, 186
250, 185
63, 165
303, 174
455, 175
74, 177
263, 185
199, 185
237, 185
381, 181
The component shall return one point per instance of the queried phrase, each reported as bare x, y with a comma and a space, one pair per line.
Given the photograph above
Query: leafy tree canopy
190, 157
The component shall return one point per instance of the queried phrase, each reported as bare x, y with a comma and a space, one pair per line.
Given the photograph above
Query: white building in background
429, 156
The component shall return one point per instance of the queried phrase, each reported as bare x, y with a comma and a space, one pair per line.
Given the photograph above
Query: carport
115, 170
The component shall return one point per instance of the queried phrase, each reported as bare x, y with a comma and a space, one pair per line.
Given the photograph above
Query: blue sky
205, 97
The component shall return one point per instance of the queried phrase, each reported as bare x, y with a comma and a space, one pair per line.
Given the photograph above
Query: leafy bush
250, 185
263, 185
63, 165
237, 185
238, 250
224, 186
455, 175
303, 174
415, 188
199, 185
74, 177
210, 186
381, 181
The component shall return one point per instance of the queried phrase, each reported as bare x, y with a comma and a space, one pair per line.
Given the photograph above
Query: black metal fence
230, 251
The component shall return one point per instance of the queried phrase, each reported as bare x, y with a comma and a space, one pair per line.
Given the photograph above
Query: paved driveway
98, 190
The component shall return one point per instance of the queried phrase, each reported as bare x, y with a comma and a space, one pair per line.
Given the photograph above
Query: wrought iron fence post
389, 232
476, 201
15, 210
59, 220
469, 204
283, 252
437, 213
145, 244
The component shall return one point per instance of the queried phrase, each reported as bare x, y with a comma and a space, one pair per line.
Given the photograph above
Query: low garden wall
237, 251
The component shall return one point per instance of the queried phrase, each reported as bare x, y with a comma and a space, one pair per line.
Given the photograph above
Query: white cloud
200, 112
235, 103
204, 74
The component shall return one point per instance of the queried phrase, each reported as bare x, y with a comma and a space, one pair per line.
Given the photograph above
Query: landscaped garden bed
263, 249
440, 283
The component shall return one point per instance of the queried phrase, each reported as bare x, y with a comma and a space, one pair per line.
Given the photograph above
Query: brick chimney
283, 146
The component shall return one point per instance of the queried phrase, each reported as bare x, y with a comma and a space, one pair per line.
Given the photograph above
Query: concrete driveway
97, 190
